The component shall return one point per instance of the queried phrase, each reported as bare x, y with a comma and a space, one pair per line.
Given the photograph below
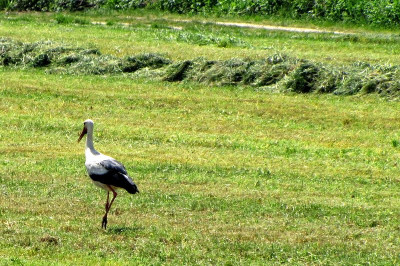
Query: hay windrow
177, 72
276, 72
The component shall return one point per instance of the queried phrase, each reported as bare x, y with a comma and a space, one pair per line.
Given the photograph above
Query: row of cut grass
275, 73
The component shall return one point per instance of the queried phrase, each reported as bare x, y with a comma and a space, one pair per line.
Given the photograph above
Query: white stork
105, 172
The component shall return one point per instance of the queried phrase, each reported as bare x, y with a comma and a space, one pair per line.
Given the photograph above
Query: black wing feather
116, 176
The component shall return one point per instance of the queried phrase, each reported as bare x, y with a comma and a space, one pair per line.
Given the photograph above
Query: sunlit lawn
228, 175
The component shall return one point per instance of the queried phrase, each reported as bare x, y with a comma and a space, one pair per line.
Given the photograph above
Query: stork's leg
114, 196
104, 222
108, 207
107, 202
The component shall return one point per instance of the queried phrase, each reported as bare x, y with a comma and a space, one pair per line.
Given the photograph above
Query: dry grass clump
72, 60
134, 63
301, 76
346, 80
277, 72
39, 54
177, 71
236, 71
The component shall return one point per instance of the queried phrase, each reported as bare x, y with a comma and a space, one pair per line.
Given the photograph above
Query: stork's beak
84, 131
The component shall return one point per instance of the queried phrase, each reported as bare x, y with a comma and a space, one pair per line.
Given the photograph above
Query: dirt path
267, 27
244, 25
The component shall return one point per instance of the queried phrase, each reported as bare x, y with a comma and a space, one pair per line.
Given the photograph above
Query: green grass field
159, 33
228, 175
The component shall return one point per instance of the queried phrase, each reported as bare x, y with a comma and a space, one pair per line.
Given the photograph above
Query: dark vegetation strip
378, 13
274, 73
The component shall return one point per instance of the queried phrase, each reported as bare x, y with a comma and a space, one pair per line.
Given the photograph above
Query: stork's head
87, 126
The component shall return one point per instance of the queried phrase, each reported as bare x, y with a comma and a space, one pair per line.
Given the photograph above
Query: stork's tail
130, 186
132, 189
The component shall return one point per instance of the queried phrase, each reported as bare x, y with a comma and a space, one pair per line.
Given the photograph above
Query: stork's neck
89, 144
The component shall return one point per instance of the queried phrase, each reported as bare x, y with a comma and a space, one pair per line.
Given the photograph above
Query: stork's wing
116, 176
113, 165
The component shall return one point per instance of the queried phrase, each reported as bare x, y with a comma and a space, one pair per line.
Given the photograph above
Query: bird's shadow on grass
124, 230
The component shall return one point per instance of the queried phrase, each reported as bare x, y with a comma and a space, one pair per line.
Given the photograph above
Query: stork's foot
104, 222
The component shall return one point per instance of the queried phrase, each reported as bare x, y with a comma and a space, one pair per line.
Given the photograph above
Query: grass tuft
395, 143
50, 240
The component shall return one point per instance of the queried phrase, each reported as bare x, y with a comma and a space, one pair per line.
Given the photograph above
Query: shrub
4, 4
127, 4
380, 12
49, 5
72, 5
26, 5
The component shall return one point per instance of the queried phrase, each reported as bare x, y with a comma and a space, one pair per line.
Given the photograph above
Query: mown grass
228, 175
276, 73
191, 40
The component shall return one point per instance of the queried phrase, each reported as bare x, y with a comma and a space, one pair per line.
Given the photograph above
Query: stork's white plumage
105, 171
